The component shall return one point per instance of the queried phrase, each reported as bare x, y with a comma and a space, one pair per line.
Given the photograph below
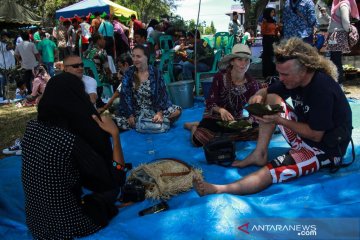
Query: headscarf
351, 3
65, 104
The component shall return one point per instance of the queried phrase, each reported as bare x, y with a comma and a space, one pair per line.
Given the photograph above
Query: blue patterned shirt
299, 18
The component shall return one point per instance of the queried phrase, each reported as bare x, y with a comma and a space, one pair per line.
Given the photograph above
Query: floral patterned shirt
299, 18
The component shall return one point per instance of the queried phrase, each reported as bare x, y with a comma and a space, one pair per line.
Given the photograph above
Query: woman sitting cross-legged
230, 91
143, 92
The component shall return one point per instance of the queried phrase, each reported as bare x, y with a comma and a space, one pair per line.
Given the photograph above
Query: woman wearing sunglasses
143, 93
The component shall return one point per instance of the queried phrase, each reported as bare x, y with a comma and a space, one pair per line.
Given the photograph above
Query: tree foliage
253, 9
46, 8
148, 9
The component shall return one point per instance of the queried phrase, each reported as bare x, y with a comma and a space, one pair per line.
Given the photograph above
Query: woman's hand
131, 121
225, 115
158, 117
106, 124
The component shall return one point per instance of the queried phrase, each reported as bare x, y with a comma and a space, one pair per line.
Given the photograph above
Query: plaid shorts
300, 160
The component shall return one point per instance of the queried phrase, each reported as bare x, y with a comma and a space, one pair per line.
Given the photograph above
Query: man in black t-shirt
319, 107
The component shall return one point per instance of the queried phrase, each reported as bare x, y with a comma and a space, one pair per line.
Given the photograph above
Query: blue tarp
322, 196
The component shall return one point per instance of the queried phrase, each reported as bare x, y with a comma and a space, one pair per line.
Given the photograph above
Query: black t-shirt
321, 104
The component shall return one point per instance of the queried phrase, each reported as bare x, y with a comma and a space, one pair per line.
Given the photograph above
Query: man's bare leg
259, 155
250, 184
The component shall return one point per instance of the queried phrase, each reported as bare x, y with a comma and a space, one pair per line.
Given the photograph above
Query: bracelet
118, 166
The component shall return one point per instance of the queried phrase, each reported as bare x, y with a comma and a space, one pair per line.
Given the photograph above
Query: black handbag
336, 136
133, 191
333, 139
220, 151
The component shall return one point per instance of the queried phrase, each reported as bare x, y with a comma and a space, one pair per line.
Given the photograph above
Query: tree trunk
247, 6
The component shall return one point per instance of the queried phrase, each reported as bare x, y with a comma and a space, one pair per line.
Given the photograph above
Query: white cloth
7, 59
149, 30
119, 88
90, 84
111, 64
27, 51
19, 40
85, 30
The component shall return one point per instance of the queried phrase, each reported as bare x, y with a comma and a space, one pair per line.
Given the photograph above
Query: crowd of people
82, 147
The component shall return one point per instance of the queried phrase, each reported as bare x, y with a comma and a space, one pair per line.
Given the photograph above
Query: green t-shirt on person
47, 47
37, 39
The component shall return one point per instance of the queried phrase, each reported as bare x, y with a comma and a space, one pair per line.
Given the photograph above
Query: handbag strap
334, 169
175, 174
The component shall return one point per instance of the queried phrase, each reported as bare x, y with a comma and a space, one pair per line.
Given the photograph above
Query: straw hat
238, 51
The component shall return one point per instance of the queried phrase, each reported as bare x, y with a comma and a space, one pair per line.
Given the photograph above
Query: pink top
352, 4
38, 88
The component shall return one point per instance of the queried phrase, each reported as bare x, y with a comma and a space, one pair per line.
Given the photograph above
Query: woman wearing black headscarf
269, 32
68, 148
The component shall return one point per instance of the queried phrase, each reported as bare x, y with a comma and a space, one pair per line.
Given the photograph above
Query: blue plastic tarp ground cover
332, 199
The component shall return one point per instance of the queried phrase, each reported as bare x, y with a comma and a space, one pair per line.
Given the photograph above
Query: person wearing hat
319, 112
230, 91
235, 27
323, 18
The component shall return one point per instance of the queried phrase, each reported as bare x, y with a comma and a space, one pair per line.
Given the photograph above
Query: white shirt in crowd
19, 40
90, 84
27, 51
85, 30
7, 59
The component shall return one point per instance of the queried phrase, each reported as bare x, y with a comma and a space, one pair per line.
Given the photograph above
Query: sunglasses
76, 65
281, 58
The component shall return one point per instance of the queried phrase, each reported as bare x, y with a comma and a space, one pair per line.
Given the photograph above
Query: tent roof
85, 7
13, 13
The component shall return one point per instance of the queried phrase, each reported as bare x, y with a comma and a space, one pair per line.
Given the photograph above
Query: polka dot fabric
52, 184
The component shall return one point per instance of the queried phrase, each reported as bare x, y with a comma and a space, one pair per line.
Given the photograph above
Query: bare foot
203, 188
255, 158
190, 125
